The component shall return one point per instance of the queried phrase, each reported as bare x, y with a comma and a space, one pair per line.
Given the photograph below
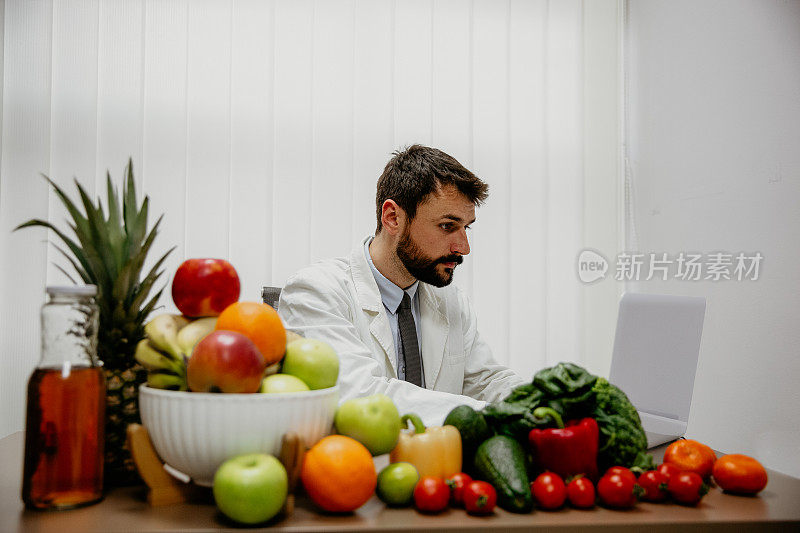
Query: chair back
270, 296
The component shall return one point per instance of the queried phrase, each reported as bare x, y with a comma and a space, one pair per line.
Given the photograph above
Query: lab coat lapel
434, 330
370, 299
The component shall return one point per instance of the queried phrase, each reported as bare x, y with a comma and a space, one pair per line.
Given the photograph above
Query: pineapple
110, 253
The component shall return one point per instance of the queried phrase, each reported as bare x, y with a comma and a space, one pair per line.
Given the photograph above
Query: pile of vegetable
574, 393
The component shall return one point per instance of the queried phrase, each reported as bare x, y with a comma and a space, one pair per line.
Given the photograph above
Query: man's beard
422, 267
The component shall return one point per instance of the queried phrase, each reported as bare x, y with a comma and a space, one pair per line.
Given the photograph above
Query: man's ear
392, 217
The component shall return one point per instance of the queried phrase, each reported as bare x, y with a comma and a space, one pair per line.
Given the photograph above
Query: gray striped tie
408, 334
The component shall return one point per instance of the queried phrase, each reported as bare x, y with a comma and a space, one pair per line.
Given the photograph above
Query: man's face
433, 243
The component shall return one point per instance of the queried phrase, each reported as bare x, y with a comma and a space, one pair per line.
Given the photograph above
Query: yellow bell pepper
434, 451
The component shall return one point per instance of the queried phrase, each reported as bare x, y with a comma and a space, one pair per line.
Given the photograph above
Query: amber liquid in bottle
65, 421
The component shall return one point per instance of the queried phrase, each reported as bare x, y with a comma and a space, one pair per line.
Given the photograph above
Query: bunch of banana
167, 346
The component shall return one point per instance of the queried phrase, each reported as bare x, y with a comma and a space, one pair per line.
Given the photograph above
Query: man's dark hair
413, 174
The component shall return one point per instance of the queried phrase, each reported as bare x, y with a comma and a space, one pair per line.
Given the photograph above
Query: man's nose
461, 243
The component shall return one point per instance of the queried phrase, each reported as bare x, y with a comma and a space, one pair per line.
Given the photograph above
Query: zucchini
474, 430
500, 460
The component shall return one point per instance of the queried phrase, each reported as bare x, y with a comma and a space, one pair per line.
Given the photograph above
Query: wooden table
777, 508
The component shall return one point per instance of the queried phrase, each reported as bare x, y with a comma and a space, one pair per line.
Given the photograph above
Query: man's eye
447, 226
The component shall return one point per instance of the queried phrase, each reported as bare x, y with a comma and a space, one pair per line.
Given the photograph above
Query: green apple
250, 488
373, 421
313, 361
277, 383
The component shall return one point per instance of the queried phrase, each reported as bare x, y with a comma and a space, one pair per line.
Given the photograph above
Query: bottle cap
72, 290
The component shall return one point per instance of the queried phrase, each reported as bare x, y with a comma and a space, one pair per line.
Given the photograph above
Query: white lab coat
338, 301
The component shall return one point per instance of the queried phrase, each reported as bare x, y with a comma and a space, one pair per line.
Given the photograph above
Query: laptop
656, 347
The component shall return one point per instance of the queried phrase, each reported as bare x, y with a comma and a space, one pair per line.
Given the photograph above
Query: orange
739, 473
338, 474
691, 456
258, 322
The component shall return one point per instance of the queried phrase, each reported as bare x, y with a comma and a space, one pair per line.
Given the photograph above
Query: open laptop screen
656, 348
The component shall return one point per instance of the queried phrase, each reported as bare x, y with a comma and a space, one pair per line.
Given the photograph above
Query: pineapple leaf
65, 273
82, 273
149, 280
129, 201
149, 306
72, 245
113, 225
137, 262
80, 221
99, 239
139, 228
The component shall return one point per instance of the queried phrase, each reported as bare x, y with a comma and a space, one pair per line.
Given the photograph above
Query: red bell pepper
567, 451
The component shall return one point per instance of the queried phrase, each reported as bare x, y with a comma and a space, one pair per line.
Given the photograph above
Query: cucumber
474, 430
500, 460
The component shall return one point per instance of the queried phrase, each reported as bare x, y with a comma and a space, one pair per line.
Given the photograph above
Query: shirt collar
391, 294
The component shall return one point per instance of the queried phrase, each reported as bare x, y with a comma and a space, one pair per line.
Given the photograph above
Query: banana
194, 332
272, 369
163, 333
153, 359
292, 336
160, 380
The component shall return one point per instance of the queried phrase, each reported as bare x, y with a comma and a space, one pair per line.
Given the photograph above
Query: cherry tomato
580, 492
668, 470
431, 494
457, 482
739, 473
687, 488
617, 490
549, 490
621, 470
479, 497
653, 483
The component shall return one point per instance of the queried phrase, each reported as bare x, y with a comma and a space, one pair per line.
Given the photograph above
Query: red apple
225, 361
205, 287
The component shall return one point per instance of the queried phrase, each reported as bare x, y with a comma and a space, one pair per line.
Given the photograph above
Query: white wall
714, 145
260, 128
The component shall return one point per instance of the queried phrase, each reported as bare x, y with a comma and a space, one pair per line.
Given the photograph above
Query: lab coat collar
432, 310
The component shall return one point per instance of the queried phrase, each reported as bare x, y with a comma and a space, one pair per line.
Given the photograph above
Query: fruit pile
219, 344
339, 475
425, 470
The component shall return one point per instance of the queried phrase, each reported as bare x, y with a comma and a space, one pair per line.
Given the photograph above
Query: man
389, 310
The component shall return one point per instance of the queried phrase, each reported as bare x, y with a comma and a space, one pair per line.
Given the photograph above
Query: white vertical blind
259, 129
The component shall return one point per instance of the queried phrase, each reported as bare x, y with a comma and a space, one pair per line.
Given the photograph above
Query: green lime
396, 484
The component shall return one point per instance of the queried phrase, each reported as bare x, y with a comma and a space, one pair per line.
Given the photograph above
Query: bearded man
389, 310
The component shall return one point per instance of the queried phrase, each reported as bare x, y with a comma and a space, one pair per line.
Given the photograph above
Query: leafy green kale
621, 435
575, 393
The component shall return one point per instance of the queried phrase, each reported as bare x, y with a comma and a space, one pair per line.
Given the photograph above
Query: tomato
621, 470
457, 482
691, 456
687, 488
549, 490
617, 490
739, 473
580, 492
652, 482
431, 494
668, 470
479, 497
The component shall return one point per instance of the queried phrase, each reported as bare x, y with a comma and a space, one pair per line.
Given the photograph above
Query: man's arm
323, 312
484, 378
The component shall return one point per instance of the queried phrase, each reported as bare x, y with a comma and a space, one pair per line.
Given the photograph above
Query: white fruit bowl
194, 432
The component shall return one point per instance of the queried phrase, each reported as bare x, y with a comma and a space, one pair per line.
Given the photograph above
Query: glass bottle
64, 428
